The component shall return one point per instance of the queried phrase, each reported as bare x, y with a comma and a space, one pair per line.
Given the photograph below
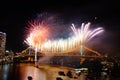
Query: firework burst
38, 34
84, 34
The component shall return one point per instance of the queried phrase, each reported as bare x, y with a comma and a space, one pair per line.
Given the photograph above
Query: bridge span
87, 52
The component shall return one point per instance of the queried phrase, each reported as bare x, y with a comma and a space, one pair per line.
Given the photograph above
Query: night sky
14, 17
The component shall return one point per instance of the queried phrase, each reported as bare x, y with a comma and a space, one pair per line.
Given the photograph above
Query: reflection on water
24, 71
5, 71
20, 72
36, 73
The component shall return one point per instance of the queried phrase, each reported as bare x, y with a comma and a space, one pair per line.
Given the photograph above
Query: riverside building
2, 43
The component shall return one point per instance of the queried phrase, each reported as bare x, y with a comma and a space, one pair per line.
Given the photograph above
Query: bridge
87, 52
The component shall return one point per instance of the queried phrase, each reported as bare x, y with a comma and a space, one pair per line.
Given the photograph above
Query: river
21, 71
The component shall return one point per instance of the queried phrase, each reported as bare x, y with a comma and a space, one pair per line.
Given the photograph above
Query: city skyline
100, 13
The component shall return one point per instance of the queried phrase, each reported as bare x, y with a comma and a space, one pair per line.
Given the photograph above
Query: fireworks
84, 34
38, 38
38, 35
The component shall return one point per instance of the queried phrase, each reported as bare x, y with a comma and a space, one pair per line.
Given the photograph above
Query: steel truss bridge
87, 52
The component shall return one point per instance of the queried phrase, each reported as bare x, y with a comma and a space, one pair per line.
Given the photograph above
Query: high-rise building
2, 43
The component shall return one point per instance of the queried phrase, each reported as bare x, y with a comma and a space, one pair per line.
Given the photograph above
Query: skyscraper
2, 43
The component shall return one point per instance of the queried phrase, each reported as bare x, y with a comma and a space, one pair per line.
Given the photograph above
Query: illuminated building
2, 43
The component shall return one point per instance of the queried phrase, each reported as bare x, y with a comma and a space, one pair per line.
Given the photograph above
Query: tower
2, 43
